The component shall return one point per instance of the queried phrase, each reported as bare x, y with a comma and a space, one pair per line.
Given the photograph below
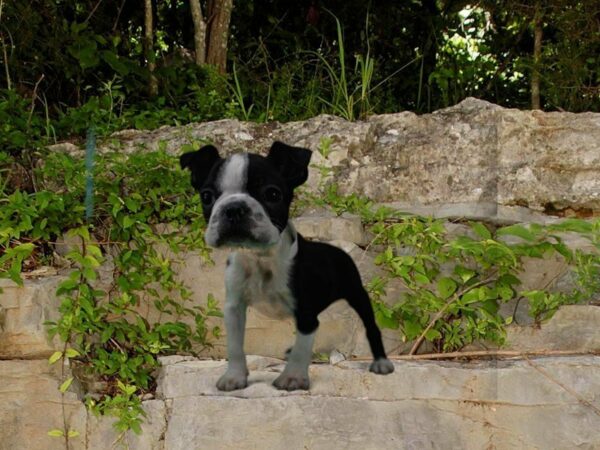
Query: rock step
422, 405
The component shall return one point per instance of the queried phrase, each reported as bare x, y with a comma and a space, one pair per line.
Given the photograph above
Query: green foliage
456, 285
19, 127
143, 205
360, 58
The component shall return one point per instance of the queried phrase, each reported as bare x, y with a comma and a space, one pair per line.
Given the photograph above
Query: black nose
235, 212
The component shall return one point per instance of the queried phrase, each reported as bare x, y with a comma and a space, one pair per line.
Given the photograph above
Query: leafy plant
456, 285
138, 223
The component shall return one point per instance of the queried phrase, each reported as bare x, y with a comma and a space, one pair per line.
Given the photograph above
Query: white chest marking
263, 277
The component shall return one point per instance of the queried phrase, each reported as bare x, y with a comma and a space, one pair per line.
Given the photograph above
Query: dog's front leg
295, 374
236, 376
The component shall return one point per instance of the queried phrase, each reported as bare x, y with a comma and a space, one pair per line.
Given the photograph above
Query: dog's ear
200, 163
292, 162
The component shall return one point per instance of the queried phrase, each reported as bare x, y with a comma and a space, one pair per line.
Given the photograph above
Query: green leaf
54, 357
432, 334
412, 329
72, 353
421, 279
128, 222
471, 296
66, 286
573, 225
73, 433
89, 274
481, 230
517, 230
132, 204
446, 287
56, 433
385, 321
113, 60
464, 273
63, 387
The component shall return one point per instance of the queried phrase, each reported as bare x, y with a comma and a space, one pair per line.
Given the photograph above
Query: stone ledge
500, 405
489, 382
424, 405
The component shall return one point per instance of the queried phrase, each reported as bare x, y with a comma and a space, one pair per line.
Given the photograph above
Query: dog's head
246, 197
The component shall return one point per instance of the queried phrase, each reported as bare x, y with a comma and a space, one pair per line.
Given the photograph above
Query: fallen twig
477, 354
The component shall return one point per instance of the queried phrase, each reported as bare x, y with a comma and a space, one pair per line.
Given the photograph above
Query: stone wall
474, 160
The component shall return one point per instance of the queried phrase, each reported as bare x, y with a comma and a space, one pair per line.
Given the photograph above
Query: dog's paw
381, 366
291, 381
232, 380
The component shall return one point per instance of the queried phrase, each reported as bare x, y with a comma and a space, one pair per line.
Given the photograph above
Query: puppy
246, 200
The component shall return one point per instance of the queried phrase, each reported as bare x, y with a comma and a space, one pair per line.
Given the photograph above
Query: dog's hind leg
360, 302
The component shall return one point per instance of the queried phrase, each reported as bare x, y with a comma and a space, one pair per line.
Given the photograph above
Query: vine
454, 286
146, 216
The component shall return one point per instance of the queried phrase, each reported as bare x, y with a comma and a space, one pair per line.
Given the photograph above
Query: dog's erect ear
292, 162
200, 163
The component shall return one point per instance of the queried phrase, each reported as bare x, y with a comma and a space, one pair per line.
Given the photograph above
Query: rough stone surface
23, 311
30, 406
101, 435
430, 405
501, 405
323, 226
474, 159
573, 327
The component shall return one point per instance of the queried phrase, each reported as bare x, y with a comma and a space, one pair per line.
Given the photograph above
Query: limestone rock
502, 405
102, 435
23, 311
325, 226
30, 406
573, 327
474, 159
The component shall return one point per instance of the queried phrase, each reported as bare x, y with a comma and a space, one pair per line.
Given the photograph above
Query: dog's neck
285, 249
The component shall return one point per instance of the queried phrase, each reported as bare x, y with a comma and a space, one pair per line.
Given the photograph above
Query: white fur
233, 174
265, 286
258, 278
295, 374
232, 181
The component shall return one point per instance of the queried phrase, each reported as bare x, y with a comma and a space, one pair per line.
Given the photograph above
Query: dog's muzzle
240, 221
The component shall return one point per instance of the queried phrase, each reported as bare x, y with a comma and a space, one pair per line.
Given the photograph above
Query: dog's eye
207, 197
272, 194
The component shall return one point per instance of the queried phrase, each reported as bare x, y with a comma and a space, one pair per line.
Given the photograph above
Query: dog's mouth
237, 237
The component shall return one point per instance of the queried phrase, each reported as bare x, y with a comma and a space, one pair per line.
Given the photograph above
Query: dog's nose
235, 212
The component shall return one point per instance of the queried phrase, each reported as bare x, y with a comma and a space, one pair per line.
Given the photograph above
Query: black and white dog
246, 200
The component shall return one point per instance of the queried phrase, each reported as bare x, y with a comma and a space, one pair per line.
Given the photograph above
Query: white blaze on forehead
234, 174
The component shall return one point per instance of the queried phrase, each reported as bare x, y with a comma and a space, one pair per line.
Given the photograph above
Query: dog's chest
265, 284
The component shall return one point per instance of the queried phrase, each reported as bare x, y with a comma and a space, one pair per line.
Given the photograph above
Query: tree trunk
219, 14
537, 55
149, 47
199, 31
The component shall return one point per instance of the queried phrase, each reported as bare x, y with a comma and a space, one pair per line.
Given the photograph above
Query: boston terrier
246, 200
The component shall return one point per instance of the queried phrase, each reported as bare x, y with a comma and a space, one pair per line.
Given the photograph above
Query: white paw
381, 366
292, 381
232, 380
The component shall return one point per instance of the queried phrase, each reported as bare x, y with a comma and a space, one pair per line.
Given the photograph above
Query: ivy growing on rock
455, 285
146, 216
